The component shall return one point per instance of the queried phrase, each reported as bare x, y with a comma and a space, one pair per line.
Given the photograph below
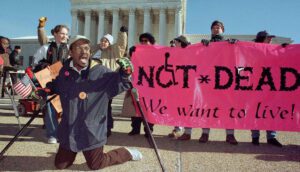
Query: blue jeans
51, 122
270, 134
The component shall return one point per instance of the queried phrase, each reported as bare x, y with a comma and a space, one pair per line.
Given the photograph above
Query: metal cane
134, 91
35, 114
151, 141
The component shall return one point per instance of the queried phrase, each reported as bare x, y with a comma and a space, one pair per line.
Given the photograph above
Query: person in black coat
14, 56
85, 88
14, 61
144, 39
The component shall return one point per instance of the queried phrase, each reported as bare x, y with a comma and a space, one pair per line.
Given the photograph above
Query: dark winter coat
84, 119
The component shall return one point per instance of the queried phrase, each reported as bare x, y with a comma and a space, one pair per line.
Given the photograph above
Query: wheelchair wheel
21, 109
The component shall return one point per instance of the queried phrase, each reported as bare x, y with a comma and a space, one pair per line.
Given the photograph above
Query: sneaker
133, 132
274, 142
174, 134
231, 139
184, 137
203, 138
52, 140
135, 154
255, 141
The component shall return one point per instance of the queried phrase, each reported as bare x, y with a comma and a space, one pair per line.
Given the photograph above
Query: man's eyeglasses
79, 49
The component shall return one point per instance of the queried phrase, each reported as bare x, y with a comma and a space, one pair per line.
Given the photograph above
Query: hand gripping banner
242, 86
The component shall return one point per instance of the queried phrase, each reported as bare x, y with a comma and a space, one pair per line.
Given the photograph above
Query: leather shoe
255, 141
203, 138
274, 142
174, 134
231, 139
133, 132
108, 133
147, 134
184, 137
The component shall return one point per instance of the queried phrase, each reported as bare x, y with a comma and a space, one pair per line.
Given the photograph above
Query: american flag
23, 87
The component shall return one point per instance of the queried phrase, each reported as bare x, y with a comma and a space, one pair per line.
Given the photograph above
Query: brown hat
182, 39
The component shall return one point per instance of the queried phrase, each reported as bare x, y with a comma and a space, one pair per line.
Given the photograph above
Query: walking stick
128, 69
35, 114
151, 141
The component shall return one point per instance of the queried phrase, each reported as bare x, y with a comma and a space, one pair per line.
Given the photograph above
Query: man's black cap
262, 35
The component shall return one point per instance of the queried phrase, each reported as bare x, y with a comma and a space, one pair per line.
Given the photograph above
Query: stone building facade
165, 19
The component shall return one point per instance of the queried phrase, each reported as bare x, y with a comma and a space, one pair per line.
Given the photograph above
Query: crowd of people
96, 75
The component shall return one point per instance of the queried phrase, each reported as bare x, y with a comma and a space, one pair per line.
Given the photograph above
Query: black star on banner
204, 79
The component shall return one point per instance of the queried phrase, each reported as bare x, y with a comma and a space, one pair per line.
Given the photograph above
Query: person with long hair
48, 54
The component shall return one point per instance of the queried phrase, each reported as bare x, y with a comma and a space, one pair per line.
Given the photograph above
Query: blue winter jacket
84, 98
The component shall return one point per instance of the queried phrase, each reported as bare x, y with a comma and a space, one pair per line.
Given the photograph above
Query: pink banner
243, 86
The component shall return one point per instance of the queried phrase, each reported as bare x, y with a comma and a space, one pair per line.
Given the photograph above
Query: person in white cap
85, 88
109, 52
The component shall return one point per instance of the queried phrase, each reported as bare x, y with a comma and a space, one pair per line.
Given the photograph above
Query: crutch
152, 142
128, 70
35, 114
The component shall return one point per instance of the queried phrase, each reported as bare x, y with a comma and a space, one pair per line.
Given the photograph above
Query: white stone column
147, 20
80, 18
170, 25
178, 22
94, 28
107, 25
74, 22
115, 26
87, 23
100, 24
162, 26
131, 27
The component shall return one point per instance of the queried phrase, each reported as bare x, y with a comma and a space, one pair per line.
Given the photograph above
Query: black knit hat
262, 35
17, 47
218, 23
148, 36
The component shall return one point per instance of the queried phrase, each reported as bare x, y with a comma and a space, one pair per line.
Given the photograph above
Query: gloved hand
205, 42
124, 29
42, 21
232, 41
284, 45
42, 92
125, 65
